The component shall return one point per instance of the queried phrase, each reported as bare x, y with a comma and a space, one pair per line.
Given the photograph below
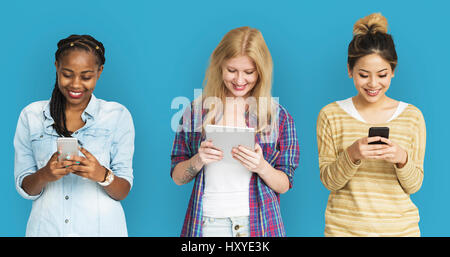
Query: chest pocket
98, 142
43, 145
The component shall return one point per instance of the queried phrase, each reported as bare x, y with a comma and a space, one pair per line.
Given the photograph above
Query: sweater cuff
349, 162
405, 171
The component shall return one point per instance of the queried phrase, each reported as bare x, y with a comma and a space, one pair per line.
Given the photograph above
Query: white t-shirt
348, 106
226, 191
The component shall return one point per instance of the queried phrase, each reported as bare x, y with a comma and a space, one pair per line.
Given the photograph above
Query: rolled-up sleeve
181, 150
24, 162
288, 147
123, 147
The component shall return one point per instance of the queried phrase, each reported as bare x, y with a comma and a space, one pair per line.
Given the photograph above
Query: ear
349, 71
393, 74
56, 64
100, 70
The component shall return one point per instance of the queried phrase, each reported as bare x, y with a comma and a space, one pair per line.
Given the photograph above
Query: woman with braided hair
80, 195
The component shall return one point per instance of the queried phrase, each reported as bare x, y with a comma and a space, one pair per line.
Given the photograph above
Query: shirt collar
90, 112
92, 108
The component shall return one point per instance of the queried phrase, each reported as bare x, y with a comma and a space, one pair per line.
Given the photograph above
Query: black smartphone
378, 131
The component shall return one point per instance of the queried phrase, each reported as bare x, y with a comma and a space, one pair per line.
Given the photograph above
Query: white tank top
226, 192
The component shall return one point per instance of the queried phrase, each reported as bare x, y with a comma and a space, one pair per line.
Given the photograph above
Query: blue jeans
226, 227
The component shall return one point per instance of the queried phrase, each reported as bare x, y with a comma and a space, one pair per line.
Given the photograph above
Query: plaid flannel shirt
282, 153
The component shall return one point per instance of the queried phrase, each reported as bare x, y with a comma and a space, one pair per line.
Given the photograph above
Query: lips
239, 87
75, 94
372, 92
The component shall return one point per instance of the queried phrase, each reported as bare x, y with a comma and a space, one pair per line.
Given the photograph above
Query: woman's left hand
252, 160
88, 167
393, 154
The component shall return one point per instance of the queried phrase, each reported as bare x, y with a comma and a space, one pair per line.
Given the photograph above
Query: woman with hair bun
243, 200
371, 178
75, 195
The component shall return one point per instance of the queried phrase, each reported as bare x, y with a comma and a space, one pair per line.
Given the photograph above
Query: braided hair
58, 101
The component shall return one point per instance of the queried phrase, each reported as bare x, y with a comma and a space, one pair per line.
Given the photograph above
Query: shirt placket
67, 205
69, 218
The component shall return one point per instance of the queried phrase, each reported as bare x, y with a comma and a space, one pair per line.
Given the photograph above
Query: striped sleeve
411, 175
336, 169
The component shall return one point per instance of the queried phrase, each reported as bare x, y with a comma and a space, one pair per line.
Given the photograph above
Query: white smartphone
67, 146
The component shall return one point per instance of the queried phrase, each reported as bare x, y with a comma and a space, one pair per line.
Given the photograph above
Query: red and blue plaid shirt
282, 153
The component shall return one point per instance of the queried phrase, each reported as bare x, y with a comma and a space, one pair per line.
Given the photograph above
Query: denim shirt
73, 205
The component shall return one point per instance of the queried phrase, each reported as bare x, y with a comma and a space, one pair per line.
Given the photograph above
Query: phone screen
378, 131
67, 146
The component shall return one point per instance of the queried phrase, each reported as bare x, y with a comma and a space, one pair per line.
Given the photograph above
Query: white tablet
225, 138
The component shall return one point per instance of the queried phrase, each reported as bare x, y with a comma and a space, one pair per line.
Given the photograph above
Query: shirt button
236, 227
238, 235
67, 197
66, 221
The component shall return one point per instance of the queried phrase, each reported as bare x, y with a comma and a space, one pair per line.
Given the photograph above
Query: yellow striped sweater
370, 198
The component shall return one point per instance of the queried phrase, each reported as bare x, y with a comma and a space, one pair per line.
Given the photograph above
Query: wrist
402, 163
350, 156
265, 167
42, 176
105, 176
196, 162
109, 178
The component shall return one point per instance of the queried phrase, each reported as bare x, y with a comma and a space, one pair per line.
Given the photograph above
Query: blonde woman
371, 184
237, 93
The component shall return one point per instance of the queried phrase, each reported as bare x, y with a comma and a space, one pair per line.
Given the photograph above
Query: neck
361, 103
77, 108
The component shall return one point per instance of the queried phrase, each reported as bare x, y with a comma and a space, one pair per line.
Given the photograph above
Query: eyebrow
246, 70
69, 70
369, 71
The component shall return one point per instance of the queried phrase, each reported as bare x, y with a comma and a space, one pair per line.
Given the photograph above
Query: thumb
55, 156
258, 148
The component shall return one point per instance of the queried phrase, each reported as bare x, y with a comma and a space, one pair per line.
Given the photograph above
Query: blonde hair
243, 41
372, 23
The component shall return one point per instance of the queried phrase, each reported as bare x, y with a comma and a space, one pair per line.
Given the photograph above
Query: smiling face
372, 78
239, 75
78, 72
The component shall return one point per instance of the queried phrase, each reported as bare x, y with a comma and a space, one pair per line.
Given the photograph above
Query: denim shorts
226, 227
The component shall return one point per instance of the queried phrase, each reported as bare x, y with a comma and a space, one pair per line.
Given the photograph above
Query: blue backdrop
158, 50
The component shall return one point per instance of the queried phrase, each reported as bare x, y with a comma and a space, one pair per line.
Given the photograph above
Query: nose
372, 81
240, 80
76, 83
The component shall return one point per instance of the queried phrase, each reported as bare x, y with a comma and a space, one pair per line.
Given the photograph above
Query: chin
239, 94
371, 99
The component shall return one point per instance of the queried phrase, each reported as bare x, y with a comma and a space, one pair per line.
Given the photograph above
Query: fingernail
77, 162
68, 157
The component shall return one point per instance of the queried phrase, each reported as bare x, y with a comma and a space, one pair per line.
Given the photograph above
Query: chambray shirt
73, 205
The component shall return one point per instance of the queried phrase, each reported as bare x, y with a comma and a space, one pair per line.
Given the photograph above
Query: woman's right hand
361, 149
207, 153
187, 170
54, 169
